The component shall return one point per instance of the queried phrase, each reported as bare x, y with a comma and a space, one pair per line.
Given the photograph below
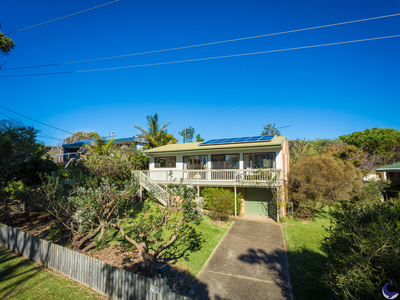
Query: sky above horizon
321, 92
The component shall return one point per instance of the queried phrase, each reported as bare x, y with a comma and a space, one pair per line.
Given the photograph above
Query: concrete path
249, 263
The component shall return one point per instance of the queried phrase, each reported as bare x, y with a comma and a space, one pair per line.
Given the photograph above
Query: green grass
212, 234
21, 278
306, 258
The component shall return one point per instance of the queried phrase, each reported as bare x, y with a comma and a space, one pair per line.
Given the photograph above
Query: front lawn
21, 278
306, 259
212, 234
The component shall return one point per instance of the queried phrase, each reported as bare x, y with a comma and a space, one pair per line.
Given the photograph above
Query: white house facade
257, 167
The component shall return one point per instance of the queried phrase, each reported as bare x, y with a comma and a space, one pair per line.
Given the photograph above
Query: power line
16, 121
44, 135
207, 58
74, 14
204, 44
36, 120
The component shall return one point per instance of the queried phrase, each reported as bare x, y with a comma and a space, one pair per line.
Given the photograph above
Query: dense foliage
363, 249
382, 142
318, 181
23, 161
157, 228
221, 202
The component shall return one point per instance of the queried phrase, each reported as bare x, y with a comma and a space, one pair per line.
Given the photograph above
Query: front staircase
161, 192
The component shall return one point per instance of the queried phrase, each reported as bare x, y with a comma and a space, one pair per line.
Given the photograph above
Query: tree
187, 134
349, 153
101, 146
199, 138
300, 149
85, 197
270, 129
22, 163
157, 228
154, 134
77, 136
318, 181
6, 44
85, 211
382, 142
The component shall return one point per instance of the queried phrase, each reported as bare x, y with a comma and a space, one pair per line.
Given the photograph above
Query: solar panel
248, 139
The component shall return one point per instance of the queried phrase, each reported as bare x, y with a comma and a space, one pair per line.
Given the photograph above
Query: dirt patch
119, 257
218, 222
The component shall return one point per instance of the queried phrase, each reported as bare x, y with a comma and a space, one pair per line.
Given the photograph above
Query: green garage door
258, 201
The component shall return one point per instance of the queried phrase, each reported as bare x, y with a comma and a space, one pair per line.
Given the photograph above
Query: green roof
390, 168
277, 141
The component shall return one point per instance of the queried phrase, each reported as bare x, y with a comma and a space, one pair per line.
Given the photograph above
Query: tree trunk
148, 260
94, 244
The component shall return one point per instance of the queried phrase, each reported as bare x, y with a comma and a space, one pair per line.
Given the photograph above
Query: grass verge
21, 278
306, 258
212, 234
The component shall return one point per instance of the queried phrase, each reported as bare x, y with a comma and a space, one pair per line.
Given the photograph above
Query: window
195, 162
259, 160
225, 161
165, 162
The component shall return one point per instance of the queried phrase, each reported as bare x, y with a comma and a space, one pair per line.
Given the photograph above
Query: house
77, 150
392, 173
257, 167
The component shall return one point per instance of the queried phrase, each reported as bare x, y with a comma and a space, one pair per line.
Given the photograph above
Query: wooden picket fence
101, 277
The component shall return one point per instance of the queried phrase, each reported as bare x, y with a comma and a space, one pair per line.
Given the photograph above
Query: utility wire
207, 58
205, 44
36, 120
74, 14
44, 135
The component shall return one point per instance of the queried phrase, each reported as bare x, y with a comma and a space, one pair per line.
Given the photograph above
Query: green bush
221, 202
363, 249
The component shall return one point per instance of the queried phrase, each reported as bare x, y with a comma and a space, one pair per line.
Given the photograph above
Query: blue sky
322, 92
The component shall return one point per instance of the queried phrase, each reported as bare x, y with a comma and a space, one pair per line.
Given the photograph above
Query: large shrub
363, 249
221, 202
318, 181
115, 167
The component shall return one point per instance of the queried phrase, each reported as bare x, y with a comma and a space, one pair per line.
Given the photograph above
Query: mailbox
163, 271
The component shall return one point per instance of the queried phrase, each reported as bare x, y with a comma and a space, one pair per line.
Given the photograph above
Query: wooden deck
222, 178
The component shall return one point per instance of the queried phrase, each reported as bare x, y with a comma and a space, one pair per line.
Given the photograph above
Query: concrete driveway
249, 263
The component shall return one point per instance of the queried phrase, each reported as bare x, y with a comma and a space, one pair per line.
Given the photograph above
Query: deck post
235, 200
277, 204
198, 192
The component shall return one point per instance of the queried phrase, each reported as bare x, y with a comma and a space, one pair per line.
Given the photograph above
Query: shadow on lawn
306, 271
10, 270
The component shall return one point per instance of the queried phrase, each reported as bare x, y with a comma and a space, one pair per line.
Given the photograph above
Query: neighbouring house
257, 167
392, 173
77, 150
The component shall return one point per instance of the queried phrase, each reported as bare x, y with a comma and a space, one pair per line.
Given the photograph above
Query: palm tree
101, 146
155, 135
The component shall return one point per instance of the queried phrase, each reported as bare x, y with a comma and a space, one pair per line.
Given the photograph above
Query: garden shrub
221, 202
363, 249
